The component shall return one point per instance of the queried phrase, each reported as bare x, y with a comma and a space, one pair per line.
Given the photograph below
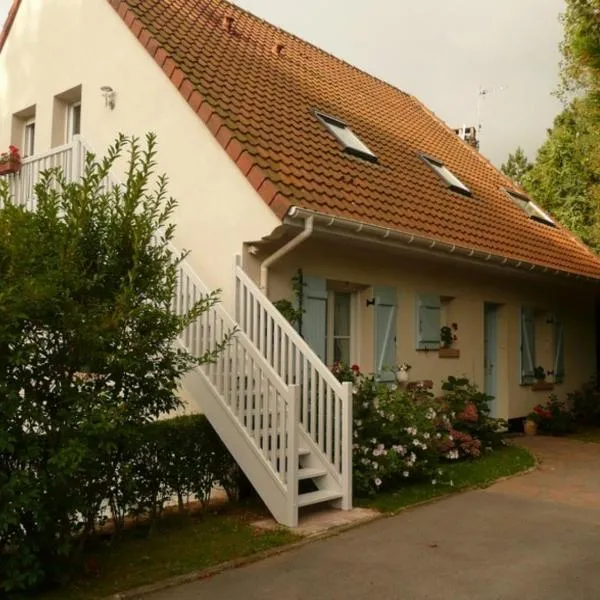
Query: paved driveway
530, 538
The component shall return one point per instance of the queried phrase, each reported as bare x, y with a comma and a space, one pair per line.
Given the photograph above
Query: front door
490, 352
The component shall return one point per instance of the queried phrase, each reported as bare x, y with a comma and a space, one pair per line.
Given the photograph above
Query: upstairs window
29, 138
73, 120
453, 182
351, 143
531, 208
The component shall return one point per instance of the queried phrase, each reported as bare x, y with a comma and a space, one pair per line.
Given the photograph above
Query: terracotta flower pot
10, 166
530, 427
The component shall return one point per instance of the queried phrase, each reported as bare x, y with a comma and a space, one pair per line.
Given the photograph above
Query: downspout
296, 241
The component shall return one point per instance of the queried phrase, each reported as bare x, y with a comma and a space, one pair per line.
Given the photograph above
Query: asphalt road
536, 537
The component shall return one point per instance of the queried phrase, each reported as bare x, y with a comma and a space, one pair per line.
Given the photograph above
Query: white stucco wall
57, 45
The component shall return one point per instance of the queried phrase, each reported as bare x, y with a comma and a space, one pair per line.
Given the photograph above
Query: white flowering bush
397, 435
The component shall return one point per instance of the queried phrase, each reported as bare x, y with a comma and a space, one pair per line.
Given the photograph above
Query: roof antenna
481, 96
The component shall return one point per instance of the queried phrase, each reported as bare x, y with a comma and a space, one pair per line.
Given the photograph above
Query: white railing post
292, 423
237, 287
347, 441
76, 158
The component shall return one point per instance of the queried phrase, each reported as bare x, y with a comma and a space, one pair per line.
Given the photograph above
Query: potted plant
10, 162
540, 377
402, 372
448, 338
534, 418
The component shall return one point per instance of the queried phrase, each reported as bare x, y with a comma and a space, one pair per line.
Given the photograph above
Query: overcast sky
443, 51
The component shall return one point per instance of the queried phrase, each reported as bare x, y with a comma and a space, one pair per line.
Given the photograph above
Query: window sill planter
449, 353
542, 386
10, 166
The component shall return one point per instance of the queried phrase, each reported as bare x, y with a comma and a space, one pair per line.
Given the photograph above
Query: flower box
542, 386
449, 353
10, 166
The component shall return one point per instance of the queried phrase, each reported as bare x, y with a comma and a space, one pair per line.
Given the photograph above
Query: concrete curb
259, 556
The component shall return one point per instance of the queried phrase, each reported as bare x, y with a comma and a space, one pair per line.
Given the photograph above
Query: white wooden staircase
281, 413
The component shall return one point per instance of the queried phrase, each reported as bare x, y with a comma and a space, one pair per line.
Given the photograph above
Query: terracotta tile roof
256, 87
10, 18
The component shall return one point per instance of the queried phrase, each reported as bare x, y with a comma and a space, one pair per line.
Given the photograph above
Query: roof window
351, 143
453, 182
531, 208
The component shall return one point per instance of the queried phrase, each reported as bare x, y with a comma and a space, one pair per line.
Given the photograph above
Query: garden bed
180, 545
464, 475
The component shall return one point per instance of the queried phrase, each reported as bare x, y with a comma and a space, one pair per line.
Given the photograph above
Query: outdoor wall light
110, 96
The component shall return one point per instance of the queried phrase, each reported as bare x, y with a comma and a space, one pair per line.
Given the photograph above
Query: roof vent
228, 24
278, 49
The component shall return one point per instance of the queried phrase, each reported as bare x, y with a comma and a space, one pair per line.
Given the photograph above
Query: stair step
310, 473
303, 451
316, 497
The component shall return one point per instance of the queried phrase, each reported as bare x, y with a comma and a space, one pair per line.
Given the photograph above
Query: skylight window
454, 183
351, 143
530, 208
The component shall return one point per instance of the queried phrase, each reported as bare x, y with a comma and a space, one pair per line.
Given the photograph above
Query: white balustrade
325, 403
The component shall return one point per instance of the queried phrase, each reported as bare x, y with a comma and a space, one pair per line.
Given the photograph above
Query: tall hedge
87, 356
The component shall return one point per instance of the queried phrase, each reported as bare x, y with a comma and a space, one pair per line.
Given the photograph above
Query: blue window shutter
527, 345
428, 313
314, 320
559, 352
385, 332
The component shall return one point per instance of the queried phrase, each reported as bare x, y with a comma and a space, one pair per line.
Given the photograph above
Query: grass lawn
175, 548
586, 434
476, 473
182, 544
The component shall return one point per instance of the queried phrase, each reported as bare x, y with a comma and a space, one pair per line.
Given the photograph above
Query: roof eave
8, 23
395, 237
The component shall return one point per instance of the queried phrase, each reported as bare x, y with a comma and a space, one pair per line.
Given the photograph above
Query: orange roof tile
256, 87
10, 18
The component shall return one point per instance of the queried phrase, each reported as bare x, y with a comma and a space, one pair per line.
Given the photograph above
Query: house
301, 178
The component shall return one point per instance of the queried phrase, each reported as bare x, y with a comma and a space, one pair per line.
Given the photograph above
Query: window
453, 182
351, 143
327, 323
339, 327
73, 120
29, 139
531, 208
428, 312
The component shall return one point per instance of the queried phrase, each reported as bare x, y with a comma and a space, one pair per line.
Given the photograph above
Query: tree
517, 166
87, 351
581, 47
565, 179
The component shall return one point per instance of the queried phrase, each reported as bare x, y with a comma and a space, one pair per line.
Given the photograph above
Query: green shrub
473, 430
181, 458
88, 354
585, 404
397, 434
406, 435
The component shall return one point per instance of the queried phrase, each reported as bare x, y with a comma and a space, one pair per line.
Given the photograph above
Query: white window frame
28, 141
351, 143
444, 173
69, 134
329, 328
530, 208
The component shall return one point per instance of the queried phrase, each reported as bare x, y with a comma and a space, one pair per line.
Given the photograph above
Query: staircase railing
264, 405
325, 404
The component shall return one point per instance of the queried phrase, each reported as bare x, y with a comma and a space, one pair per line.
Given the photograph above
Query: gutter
408, 240
293, 243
